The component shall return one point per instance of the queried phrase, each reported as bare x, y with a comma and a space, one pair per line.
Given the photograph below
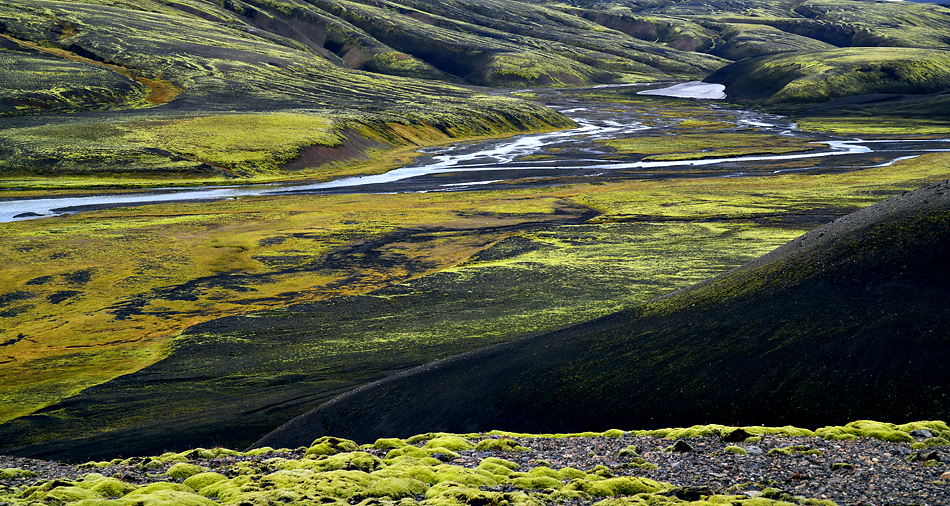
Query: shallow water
545, 159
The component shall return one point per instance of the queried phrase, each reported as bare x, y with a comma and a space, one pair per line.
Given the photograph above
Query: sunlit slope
812, 77
845, 321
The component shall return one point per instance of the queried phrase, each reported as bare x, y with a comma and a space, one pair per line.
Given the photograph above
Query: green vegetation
146, 93
794, 449
690, 146
820, 76
309, 476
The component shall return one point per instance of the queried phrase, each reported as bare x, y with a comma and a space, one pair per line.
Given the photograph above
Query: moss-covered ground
426, 469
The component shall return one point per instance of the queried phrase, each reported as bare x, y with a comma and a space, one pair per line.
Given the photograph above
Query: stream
546, 159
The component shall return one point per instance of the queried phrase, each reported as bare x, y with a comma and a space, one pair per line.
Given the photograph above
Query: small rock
904, 451
682, 446
945, 476
753, 450
676, 466
735, 436
921, 433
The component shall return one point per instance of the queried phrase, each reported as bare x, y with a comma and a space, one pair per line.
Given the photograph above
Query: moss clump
794, 449
184, 470
388, 444
934, 441
735, 450
615, 486
935, 427
837, 466
202, 480
452, 443
866, 428
352, 461
630, 451
500, 445
330, 446
11, 473
639, 463
719, 430
111, 487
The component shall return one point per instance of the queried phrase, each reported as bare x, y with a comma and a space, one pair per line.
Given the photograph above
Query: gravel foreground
861, 472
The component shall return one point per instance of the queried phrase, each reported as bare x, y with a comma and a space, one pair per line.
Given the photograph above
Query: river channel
563, 157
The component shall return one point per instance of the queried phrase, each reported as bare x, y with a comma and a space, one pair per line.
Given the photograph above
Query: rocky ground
797, 470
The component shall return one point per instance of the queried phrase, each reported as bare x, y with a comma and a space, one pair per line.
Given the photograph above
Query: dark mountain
849, 321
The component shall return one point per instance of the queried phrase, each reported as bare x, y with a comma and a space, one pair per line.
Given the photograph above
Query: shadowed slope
848, 321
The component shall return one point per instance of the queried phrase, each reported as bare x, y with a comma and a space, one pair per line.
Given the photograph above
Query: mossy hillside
470, 29
821, 76
222, 68
741, 41
842, 23
676, 33
913, 25
250, 254
805, 310
30, 79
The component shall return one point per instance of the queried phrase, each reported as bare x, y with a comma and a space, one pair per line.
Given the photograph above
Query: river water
531, 160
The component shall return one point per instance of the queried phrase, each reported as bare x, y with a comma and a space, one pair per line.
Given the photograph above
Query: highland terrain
370, 220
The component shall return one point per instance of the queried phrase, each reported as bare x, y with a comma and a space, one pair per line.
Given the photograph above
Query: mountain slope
377, 68
848, 321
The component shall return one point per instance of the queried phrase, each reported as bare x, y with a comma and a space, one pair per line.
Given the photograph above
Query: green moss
932, 426
496, 468
735, 450
934, 441
184, 470
13, 473
837, 466
161, 486
797, 449
342, 461
396, 488
266, 450
106, 487
616, 486
630, 451
866, 428
202, 480
639, 463
500, 445
452, 443
330, 446
388, 443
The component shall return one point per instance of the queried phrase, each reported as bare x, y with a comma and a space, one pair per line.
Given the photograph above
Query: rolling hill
89, 87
